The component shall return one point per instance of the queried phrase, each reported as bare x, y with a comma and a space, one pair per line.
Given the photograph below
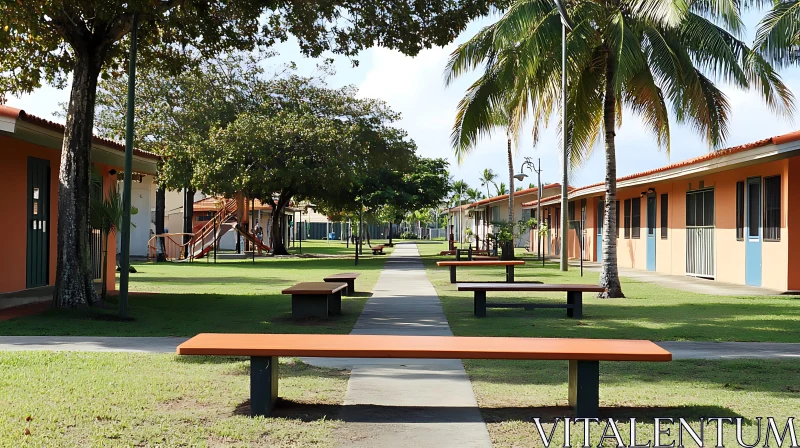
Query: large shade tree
660, 59
305, 141
47, 42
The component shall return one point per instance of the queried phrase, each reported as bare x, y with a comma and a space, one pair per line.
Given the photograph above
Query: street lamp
566, 25
538, 170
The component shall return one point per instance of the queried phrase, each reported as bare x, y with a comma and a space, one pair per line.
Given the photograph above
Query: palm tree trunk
609, 274
508, 249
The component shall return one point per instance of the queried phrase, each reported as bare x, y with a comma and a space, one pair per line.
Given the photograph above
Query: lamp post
566, 25
538, 170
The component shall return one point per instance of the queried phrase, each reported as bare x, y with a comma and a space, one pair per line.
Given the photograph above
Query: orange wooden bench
377, 250
346, 277
584, 356
316, 299
574, 303
509, 264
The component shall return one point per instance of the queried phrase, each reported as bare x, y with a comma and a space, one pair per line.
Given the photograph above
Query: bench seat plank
313, 288
423, 347
481, 263
346, 277
534, 287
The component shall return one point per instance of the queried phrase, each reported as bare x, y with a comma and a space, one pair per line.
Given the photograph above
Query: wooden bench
584, 356
509, 264
377, 250
316, 299
574, 303
347, 277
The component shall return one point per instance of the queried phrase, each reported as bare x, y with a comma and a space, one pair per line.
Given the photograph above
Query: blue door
600, 210
752, 248
651, 232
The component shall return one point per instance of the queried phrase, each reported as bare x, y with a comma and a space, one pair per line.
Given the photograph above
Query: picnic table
574, 304
509, 265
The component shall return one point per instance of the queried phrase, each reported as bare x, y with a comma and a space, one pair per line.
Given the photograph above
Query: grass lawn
512, 393
125, 399
648, 312
229, 296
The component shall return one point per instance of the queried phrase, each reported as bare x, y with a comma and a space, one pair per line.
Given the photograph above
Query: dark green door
38, 216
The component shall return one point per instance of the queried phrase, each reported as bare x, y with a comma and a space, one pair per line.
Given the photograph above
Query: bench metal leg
313, 305
584, 388
510, 273
335, 303
453, 274
479, 304
263, 385
575, 298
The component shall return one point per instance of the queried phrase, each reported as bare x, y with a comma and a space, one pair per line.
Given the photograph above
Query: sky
415, 88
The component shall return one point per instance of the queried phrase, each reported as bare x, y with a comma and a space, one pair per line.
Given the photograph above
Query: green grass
511, 393
125, 399
230, 296
648, 312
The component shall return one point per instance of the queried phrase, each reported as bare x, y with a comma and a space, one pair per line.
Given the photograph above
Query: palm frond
778, 33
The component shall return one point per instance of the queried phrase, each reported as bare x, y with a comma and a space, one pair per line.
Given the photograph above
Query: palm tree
647, 55
105, 215
502, 189
474, 195
459, 189
487, 178
778, 34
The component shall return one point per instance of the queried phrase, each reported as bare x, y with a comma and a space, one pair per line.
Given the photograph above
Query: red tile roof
19, 114
505, 196
777, 140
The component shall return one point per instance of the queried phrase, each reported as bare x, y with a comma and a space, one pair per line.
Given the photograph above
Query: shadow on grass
643, 414
367, 413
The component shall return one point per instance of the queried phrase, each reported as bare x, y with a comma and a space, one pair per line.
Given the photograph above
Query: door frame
37, 228
752, 244
651, 226
599, 216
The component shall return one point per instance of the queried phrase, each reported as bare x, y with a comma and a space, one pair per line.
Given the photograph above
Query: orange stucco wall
13, 227
729, 253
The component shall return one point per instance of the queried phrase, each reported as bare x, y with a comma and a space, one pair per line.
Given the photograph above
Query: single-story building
30, 156
725, 215
482, 214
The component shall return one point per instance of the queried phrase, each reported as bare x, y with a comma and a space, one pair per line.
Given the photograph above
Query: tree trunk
609, 275
508, 247
278, 245
390, 234
161, 201
74, 285
188, 215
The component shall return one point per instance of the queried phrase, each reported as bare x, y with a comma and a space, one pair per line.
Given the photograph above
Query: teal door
752, 245
600, 214
38, 223
651, 232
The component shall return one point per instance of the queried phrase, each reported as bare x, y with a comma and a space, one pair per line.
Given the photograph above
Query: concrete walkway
400, 403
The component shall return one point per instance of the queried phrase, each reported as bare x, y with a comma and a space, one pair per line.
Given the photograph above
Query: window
664, 215
753, 208
495, 214
772, 208
627, 218
636, 217
740, 210
700, 208
558, 221
617, 225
